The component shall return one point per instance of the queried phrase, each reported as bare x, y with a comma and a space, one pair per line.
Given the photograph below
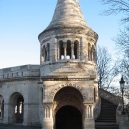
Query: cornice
19, 79
71, 30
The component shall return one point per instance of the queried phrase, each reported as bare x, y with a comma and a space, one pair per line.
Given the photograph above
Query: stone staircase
107, 117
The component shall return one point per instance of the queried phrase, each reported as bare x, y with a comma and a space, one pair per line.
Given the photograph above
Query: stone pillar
88, 122
48, 117
58, 51
25, 115
81, 49
72, 50
6, 113
65, 50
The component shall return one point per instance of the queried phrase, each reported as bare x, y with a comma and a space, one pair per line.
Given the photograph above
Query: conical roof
67, 14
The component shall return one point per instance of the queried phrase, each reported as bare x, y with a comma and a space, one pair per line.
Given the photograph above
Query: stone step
105, 125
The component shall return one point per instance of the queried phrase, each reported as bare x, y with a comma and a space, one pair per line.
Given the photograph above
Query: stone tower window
61, 50
48, 52
76, 47
45, 53
89, 52
68, 49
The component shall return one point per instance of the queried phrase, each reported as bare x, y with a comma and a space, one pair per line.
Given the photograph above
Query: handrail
110, 97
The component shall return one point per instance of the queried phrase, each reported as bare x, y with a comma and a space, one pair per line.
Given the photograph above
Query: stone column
88, 122
80, 49
48, 117
72, 50
25, 115
65, 50
6, 113
58, 51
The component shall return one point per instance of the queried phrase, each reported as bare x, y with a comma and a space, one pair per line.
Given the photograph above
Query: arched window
61, 51
76, 50
93, 54
19, 108
89, 52
68, 49
43, 54
48, 51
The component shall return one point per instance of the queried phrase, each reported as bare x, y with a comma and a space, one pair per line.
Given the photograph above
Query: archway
68, 117
68, 109
16, 108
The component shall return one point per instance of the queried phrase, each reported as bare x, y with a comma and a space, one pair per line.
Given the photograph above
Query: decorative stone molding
88, 109
47, 110
85, 94
87, 31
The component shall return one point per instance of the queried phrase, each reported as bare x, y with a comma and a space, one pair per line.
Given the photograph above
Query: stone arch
16, 108
68, 96
1, 107
80, 89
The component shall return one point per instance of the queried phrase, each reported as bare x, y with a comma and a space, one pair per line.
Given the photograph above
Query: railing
97, 109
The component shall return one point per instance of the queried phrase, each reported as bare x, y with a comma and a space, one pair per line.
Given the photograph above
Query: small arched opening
16, 108
48, 52
68, 109
43, 54
68, 49
89, 52
76, 47
61, 51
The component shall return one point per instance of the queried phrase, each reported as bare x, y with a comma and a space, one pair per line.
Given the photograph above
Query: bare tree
106, 71
117, 6
122, 42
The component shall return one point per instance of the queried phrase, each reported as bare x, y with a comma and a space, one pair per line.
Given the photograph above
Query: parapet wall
19, 72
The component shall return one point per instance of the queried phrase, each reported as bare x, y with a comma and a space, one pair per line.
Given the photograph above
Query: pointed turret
67, 14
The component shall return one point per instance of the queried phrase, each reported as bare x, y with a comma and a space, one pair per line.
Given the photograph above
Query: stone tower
68, 70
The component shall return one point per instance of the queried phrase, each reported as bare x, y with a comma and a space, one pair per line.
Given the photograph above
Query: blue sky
22, 20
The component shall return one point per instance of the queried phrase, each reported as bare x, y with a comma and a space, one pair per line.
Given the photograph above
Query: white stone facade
66, 76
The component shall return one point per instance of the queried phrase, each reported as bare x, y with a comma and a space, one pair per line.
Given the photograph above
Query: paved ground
3, 126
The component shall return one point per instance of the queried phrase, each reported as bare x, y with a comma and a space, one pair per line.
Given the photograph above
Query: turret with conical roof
67, 14
68, 37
